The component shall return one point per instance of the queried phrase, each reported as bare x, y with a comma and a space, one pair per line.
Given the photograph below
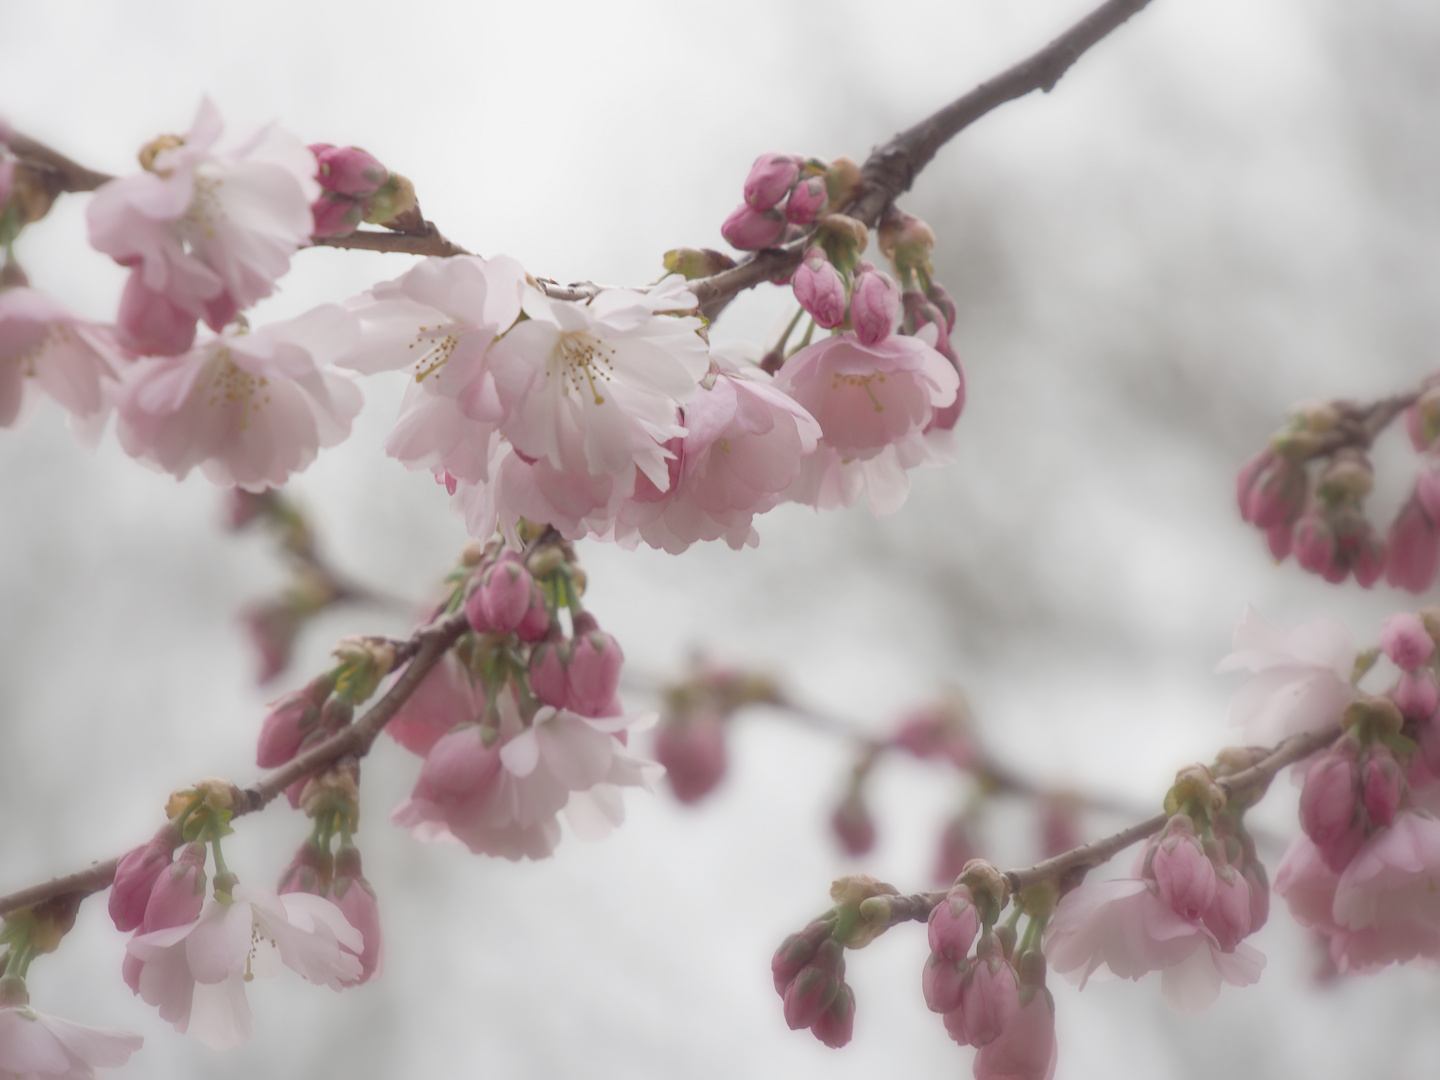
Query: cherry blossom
207, 228
44, 346
196, 973
250, 409
34, 1046
1300, 678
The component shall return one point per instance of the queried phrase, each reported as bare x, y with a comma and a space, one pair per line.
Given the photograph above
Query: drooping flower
196, 973
250, 409
1300, 678
44, 346
34, 1046
207, 228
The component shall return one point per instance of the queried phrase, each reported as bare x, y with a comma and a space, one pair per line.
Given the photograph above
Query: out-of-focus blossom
1300, 678
196, 973
43, 346
207, 228
250, 409
34, 1046
692, 749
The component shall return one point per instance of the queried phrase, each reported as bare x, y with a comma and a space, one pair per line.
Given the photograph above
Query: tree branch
890, 170
423, 651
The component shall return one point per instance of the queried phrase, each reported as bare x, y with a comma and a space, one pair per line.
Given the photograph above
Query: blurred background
1224, 208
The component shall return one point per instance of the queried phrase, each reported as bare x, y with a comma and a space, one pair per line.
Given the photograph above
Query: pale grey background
1225, 208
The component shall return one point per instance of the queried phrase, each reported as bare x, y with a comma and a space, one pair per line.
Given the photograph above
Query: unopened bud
749, 229
807, 201
394, 199
348, 170
771, 178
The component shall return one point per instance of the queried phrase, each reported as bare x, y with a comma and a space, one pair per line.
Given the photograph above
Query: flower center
863, 382
205, 211
56, 334
579, 361
437, 344
231, 387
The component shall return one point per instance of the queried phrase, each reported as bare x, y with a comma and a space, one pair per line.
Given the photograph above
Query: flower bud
536, 623
1328, 804
807, 201
874, 305
1228, 916
820, 289
842, 181
1406, 641
136, 875
335, 215
852, 824
310, 871
907, 242
692, 263
836, 1024
1315, 547
1367, 560
1382, 784
815, 985
179, 892
748, 229
942, 981
795, 952
954, 922
1182, 871
692, 749
1416, 694
1271, 490
770, 179
395, 199
843, 239
348, 170
1414, 546
990, 997
503, 597
284, 728
595, 662
548, 678
355, 898
1348, 476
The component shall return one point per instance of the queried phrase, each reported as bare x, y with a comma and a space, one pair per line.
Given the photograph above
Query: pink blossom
989, 998
436, 323
829, 479
1394, 878
744, 447
196, 973
806, 201
355, 898
594, 671
1300, 678
1271, 490
1329, 804
500, 602
853, 824
592, 389
348, 170
953, 924
869, 397
1183, 873
42, 345
284, 728
1414, 548
1416, 694
208, 228
250, 409
34, 1046
548, 679
815, 985
503, 797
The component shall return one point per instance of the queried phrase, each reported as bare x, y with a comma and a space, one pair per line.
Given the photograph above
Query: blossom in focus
592, 388
1299, 681
745, 445
34, 1046
250, 409
42, 345
869, 397
207, 228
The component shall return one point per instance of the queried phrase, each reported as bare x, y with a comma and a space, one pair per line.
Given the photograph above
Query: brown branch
68, 175
1360, 425
426, 241
890, 170
423, 651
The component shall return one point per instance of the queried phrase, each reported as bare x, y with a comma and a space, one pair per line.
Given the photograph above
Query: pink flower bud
874, 305
770, 179
348, 170
1414, 548
1367, 560
1427, 485
1383, 784
836, 1024
1406, 641
1259, 895
820, 289
692, 749
1416, 694
990, 997
536, 623
1315, 547
1182, 871
941, 982
289, 721
136, 875
503, 596
956, 848
852, 824
1279, 539
1228, 916
807, 201
1328, 804
1270, 490
749, 229
795, 952
815, 986
335, 215
355, 898
954, 922
548, 679
594, 668
179, 892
